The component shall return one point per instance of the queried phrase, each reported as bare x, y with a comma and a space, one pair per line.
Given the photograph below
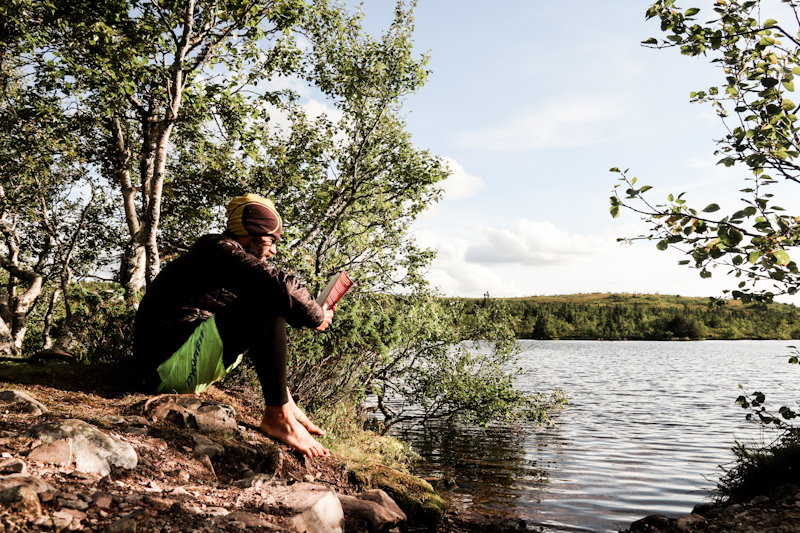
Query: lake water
647, 426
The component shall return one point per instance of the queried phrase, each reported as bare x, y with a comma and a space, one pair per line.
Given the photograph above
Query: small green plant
760, 470
755, 402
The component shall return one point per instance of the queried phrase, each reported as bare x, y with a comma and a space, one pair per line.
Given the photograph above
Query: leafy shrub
760, 470
103, 321
411, 350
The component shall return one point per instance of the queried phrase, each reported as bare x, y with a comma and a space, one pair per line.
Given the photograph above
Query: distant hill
619, 316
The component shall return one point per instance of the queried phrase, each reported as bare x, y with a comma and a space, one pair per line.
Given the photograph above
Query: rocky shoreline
182, 464
77, 461
777, 512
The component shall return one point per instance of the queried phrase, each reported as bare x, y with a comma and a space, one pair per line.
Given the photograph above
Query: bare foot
301, 417
280, 423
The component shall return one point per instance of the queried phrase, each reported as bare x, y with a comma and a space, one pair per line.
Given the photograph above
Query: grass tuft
759, 470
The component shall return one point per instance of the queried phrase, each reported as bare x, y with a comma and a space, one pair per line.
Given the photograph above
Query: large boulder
189, 411
21, 499
29, 405
365, 515
34, 482
306, 507
92, 450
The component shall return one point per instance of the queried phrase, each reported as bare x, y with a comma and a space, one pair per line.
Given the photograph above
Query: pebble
102, 500
80, 505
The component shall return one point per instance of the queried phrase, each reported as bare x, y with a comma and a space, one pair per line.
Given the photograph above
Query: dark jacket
212, 274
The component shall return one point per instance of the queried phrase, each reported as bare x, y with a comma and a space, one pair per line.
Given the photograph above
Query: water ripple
647, 427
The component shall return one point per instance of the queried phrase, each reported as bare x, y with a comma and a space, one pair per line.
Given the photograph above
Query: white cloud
315, 109
279, 121
282, 83
460, 184
533, 243
559, 124
561, 264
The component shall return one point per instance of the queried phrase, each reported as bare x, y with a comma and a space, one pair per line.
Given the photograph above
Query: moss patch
415, 496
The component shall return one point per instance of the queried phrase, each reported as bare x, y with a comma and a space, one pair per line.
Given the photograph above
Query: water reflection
492, 465
647, 427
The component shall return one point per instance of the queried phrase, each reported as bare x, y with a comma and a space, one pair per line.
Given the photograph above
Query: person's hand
328, 317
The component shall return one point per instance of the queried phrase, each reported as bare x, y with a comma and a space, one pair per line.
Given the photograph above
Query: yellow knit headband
260, 219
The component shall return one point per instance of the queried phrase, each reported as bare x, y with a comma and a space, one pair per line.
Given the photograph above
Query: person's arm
289, 296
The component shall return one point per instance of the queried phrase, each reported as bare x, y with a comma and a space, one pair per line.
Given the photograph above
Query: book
335, 289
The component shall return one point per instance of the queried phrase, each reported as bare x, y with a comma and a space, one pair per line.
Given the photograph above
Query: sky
531, 103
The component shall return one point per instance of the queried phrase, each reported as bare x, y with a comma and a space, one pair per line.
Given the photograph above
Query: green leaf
735, 236
651, 40
615, 211
781, 257
711, 208
662, 245
789, 85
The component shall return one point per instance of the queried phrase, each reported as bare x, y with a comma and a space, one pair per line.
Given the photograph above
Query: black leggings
247, 325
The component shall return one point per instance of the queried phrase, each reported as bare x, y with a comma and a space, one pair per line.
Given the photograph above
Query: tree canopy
759, 58
129, 124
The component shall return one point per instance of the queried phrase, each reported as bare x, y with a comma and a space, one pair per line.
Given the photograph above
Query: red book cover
335, 289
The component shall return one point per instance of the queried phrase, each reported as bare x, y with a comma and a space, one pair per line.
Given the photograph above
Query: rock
93, 450
758, 500
307, 507
30, 405
12, 466
102, 499
36, 483
57, 453
129, 522
366, 515
246, 519
123, 525
135, 430
257, 481
422, 506
216, 511
654, 522
685, 522
160, 504
136, 420
324, 515
205, 446
61, 520
207, 463
79, 505
379, 496
196, 413
21, 499
43, 522
75, 513
181, 494
733, 509
702, 509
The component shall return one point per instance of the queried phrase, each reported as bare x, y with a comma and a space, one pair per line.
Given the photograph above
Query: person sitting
221, 300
